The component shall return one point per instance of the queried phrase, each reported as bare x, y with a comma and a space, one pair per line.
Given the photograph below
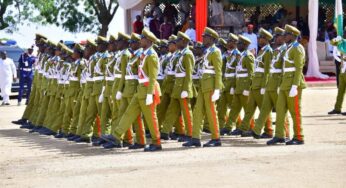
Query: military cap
148, 35
232, 37
123, 36
198, 45
222, 42
39, 36
172, 39
101, 39
91, 42
210, 32
279, 31
244, 39
135, 37
265, 34
292, 30
67, 50
182, 35
52, 44
44, 41
79, 47
163, 43
113, 37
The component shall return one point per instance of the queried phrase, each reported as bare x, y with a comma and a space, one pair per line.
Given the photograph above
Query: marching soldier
211, 85
106, 96
146, 98
259, 81
71, 89
87, 82
98, 68
244, 74
291, 90
231, 57
182, 90
341, 81
271, 94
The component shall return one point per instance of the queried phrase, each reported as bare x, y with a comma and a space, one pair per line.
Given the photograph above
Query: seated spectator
191, 32
253, 37
154, 26
217, 15
166, 29
138, 25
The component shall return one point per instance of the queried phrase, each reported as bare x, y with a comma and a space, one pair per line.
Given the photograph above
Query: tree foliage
72, 15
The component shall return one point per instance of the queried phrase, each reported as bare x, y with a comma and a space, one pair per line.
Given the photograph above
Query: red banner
201, 17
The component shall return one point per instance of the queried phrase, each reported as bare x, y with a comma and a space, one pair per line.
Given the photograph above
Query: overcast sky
26, 34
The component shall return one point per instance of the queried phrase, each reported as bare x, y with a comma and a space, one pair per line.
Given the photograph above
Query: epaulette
236, 52
295, 44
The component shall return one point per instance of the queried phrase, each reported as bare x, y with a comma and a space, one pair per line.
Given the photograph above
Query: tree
78, 15
72, 15
14, 12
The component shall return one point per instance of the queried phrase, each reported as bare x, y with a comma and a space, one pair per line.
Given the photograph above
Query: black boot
236, 132
225, 131
83, 139
152, 148
295, 142
266, 136
213, 143
246, 134
164, 136
334, 112
275, 141
193, 142
20, 121
136, 146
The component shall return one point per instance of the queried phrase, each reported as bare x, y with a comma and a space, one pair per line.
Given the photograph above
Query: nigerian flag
339, 25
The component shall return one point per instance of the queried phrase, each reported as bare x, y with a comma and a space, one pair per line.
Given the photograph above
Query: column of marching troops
117, 92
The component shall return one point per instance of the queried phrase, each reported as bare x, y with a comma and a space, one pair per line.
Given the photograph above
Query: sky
26, 34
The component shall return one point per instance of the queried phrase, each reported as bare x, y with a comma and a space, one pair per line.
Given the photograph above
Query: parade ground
32, 160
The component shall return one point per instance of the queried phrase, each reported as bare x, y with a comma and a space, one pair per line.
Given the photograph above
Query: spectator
154, 26
157, 12
185, 8
138, 25
253, 37
217, 17
170, 12
166, 29
8, 73
191, 32
147, 19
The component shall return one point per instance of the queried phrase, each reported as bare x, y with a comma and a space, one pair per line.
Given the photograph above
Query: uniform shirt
253, 38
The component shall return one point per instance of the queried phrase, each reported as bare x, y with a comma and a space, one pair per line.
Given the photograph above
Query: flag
339, 25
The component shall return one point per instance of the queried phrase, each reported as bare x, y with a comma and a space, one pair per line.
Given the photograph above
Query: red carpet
313, 79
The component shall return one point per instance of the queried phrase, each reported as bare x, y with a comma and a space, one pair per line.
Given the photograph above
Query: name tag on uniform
26, 63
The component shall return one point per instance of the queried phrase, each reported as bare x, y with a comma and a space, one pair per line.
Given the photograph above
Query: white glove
149, 99
232, 91
338, 38
216, 95
101, 98
278, 90
263, 90
246, 93
118, 95
293, 91
184, 94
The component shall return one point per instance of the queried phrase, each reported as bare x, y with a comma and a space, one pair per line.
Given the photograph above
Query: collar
265, 47
145, 52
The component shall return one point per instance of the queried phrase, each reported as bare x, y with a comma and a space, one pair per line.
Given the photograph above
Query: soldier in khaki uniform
211, 85
271, 90
259, 81
72, 90
106, 97
146, 98
291, 89
90, 55
128, 90
231, 58
244, 74
167, 89
182, 90
90, 132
